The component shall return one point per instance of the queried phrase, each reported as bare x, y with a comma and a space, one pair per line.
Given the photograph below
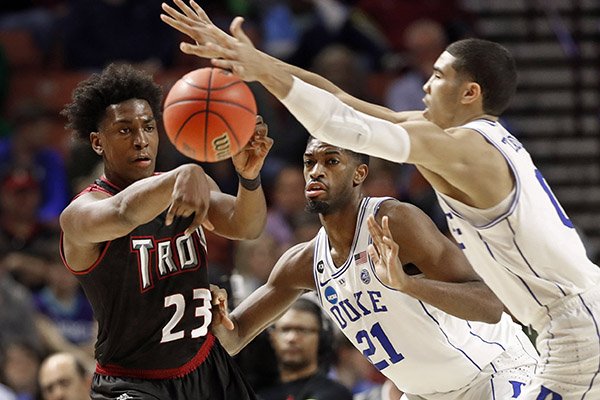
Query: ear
471, 93
96, 143
360, 174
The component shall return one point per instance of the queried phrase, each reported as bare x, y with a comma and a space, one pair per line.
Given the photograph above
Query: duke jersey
150, 293
420, 348
526, 249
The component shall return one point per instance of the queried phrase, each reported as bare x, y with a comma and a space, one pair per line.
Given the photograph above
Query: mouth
143, 160
314, 189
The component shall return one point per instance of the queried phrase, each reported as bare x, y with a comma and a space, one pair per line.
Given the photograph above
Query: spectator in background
135, 34
301, 338
423, 41
286, 202
394, 16
62, 376
296, 31
29, 147
19, 365
64, 304
22, 236
253, 260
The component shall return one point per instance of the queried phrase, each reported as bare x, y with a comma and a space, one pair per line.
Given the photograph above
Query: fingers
373, 253
206, 224
375, 231
184, 7
219, 301
238, 32
202, 16
198, 220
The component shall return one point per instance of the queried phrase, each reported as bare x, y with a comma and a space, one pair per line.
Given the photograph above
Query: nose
315, 171
426, 85
141, 139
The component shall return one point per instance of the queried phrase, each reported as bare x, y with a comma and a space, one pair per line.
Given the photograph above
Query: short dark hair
360, 158
491, 66
115, 84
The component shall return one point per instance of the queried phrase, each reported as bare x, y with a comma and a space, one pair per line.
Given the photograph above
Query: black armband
249, 184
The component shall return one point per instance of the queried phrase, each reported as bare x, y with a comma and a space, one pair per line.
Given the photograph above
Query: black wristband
249, 184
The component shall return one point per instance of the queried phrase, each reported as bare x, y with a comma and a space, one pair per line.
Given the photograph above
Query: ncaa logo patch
331, 295
320, 267
365, 276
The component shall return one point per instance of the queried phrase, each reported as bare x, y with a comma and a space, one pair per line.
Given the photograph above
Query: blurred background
379, 50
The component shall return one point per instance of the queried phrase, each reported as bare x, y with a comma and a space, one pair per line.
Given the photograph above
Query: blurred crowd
381, 50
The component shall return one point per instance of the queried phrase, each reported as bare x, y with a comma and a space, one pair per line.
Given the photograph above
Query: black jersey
150, 294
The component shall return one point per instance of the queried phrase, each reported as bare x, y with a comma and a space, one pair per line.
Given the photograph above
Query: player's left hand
384, 253
249, 161
219, 308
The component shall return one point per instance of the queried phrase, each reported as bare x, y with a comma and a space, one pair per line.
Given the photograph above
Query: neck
289, 375
471, 116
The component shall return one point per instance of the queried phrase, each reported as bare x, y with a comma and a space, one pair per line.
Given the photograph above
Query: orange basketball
209, 114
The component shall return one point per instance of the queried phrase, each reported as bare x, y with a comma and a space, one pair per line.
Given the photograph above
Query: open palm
384, 253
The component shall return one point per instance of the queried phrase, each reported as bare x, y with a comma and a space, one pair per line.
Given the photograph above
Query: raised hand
384, 253
193, 22
249, 161
232, 52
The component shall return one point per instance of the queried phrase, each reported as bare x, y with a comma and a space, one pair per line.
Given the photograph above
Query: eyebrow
126, 120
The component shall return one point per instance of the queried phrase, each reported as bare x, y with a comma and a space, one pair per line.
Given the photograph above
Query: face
443, 92
59, 380
331, 177
128, 141
295, 339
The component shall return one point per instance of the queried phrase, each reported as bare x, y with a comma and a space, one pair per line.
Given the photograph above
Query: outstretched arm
244, 216
448, 281
340, 119
211, 41
291, 276
357, 125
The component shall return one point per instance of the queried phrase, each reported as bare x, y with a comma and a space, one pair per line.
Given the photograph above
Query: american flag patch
360, 258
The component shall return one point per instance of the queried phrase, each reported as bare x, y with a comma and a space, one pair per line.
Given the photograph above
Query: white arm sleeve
328, 119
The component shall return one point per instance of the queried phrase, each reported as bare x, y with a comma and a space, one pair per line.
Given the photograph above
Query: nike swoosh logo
325, 283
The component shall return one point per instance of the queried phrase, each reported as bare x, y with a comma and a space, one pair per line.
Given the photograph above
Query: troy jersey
526, 249
149, 291
420, 348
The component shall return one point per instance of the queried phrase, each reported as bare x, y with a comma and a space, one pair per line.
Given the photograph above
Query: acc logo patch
320, 267
331, 295
365, 276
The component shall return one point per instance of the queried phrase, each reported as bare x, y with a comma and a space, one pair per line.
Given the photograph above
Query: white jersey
526, 249
420, 348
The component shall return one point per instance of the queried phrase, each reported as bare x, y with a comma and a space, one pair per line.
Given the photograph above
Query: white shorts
569, 345
502, 379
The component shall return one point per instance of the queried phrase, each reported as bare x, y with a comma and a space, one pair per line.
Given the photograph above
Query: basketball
209, 114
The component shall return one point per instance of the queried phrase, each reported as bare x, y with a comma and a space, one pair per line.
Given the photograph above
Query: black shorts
217, 378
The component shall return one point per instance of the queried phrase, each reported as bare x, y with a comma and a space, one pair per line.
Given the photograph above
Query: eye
308, 163
149, 128
333, 161
125, 130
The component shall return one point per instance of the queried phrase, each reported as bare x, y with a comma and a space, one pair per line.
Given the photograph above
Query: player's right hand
191, 195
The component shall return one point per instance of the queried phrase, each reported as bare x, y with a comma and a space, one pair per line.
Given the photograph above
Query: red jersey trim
91, 267
171, 373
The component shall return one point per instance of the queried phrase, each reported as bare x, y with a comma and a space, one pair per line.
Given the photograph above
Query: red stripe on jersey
171, 373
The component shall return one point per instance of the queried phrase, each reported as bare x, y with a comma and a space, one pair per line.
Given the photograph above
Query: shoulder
397, 210
294, 267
